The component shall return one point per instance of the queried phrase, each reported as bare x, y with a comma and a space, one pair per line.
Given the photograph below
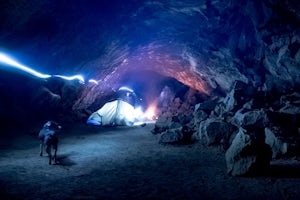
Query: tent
117, 112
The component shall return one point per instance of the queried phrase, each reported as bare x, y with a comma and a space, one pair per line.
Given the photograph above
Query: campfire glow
150, 113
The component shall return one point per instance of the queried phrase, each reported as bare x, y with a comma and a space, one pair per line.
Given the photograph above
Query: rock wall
251, 128
206, 45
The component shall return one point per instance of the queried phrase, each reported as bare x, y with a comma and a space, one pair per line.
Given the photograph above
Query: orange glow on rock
150, 113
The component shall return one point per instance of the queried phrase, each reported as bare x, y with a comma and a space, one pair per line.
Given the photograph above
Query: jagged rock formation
252, 128
267, 129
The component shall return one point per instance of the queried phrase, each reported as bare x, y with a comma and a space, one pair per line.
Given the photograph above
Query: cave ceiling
205, 45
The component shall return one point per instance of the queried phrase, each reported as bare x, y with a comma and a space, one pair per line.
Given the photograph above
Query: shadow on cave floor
284, 169
281, 168
64, 160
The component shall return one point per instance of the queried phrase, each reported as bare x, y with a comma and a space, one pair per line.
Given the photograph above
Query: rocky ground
129, 163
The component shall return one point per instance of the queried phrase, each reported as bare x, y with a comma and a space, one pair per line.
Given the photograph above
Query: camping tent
117, 112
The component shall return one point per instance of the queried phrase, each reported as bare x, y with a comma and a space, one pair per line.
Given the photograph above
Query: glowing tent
117, 112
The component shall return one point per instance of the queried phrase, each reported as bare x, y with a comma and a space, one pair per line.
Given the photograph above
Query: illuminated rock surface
204, 45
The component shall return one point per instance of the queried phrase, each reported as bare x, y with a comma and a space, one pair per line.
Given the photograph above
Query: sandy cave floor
128, 163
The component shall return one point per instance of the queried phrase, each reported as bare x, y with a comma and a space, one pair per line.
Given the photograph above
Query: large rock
290, 105
208, 105
239, 94
277, 145
165, 98
162, 124
282, 64
293, 99
171, 136
216, 131
199, 116
252, 119
290, 109
183, 119
177, 134
236, 163
279, 82
247, 156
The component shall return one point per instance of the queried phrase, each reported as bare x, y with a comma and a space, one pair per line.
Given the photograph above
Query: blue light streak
126, 89
9, 61
70, 78
93, 81
12, 63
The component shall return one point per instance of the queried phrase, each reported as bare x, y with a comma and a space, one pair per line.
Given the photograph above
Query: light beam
69, 78
9, 61
126, 89
93, 81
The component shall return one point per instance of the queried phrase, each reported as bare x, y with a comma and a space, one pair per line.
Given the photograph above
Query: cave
216, 85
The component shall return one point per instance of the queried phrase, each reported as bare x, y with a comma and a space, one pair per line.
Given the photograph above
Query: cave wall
206, 45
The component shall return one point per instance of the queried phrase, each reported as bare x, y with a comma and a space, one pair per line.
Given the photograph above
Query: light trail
93, 81
70, 78
126, 89
12, 63
9, 61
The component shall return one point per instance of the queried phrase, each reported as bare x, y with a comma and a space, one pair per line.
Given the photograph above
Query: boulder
237, 164
293, 99
239, 94
290, 109
208, 105
220, 109
174, 125
252, 119
277, 145
170, 121
171, 136
246, 155
182, 118
165, 98
162, 124
177, 135
199, 116
174, 107
216, 131
290, 104
185, 108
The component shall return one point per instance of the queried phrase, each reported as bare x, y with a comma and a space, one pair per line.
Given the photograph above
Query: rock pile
175, 123
251, 127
